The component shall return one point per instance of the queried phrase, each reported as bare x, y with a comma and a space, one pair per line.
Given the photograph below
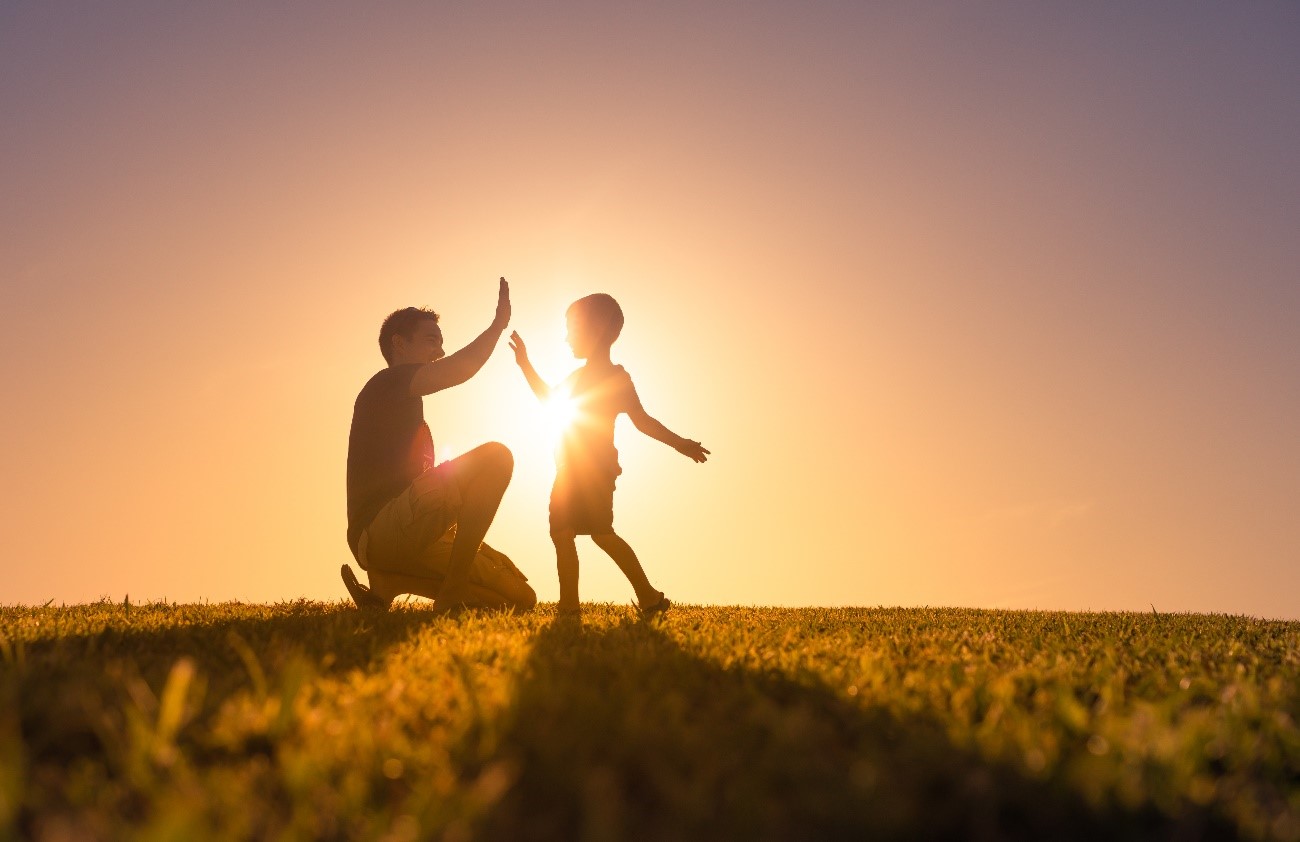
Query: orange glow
973, 305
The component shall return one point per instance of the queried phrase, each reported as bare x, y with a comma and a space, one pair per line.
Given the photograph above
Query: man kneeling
416, 528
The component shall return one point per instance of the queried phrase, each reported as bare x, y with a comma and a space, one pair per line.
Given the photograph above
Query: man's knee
521, 595
499, 457
491, 462
562, 535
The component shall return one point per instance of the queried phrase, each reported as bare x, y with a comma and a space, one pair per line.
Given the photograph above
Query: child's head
594, 323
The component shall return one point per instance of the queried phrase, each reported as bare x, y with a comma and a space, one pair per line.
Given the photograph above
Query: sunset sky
988, 305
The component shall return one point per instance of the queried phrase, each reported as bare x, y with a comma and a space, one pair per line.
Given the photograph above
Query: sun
558, 413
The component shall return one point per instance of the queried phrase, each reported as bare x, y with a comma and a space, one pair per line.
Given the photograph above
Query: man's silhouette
413, 526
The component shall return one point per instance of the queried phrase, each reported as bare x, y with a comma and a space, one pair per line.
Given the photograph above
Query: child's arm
534, 379
657, 431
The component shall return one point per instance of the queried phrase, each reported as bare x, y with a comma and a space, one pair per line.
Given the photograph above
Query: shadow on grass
619, 733
335, 636
67, 683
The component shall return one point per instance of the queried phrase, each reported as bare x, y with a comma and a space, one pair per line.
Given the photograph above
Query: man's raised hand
503, 307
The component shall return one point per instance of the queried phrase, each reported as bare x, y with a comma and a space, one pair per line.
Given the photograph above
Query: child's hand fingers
695, 451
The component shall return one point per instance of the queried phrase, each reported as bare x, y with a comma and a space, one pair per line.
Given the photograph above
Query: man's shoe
448, 609
365, 598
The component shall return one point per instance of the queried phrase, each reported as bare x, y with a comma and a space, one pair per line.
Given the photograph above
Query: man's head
411, 335
594, 323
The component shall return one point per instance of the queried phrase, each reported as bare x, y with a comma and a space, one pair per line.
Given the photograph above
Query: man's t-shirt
388, 447
599, 394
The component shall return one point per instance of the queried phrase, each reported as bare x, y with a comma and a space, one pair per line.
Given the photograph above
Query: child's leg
566, 564
627, 561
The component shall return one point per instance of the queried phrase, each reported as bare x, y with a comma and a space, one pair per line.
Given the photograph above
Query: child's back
597, 392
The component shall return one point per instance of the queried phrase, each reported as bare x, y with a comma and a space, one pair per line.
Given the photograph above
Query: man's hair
402, 322
603, 312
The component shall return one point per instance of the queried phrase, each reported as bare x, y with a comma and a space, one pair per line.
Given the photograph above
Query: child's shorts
583, 502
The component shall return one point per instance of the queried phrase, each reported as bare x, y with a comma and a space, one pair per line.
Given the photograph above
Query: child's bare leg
627, 561
566, 564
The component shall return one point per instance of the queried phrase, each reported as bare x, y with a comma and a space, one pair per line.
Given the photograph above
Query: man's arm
456, 368
654, 429
535, 381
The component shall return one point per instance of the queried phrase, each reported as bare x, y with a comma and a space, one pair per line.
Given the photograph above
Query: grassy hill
314, 720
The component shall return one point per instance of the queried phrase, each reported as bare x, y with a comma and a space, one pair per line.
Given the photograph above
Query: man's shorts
411, 522
583, 501
414, 532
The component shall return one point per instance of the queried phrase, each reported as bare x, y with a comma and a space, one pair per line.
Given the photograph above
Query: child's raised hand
693, 450
517, 345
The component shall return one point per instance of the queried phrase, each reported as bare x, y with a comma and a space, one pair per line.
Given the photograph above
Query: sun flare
559, 412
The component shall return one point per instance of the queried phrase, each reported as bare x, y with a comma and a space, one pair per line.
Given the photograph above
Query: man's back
389, 445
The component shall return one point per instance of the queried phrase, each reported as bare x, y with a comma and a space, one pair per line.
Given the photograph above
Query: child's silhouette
582, 500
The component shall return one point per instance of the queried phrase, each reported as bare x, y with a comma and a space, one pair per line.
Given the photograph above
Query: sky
976, 304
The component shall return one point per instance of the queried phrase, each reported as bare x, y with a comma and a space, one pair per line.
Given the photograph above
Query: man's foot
448, 608
655, 609
459, 598
568, 612
361, 595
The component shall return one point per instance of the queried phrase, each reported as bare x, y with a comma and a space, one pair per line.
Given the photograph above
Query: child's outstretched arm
535, 380
657, 431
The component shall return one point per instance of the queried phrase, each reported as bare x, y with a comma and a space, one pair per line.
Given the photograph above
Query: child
582, 500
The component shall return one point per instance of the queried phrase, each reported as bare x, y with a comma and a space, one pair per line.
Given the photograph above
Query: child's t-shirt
598, 394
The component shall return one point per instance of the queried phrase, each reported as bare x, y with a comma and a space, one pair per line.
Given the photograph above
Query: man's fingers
503, 305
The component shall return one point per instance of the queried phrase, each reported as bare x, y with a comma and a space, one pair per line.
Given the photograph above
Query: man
413, 526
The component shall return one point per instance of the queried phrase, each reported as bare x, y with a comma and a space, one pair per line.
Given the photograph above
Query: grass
314, 720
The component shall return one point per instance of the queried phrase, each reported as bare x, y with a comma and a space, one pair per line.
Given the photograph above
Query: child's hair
603, 312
